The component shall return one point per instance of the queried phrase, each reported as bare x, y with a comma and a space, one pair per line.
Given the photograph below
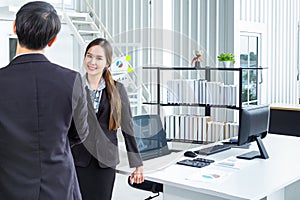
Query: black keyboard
213, 149
197, 162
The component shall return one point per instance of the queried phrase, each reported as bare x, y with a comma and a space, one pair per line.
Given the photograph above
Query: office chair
150, 186
284, 120
151, 140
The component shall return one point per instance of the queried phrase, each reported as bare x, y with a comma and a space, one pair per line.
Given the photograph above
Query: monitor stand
262, 153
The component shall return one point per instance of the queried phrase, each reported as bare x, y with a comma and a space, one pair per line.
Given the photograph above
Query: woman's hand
137, 176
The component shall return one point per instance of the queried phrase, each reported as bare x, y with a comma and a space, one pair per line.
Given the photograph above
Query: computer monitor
150, 136
254, 123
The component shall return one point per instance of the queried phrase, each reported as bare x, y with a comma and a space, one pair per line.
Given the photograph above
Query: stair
83, 26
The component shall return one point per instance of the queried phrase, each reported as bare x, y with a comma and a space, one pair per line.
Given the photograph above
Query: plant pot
226, 64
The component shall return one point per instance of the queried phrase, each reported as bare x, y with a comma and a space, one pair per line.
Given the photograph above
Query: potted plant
226, 58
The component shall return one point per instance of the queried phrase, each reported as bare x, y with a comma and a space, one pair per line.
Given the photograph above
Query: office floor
123, 191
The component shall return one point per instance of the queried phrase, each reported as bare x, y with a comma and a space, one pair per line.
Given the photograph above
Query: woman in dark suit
97, 157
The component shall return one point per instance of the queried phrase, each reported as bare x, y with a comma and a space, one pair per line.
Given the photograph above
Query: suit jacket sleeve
79, 127
73, 135
134, 157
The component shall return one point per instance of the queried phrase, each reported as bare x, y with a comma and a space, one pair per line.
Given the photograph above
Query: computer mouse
190, 154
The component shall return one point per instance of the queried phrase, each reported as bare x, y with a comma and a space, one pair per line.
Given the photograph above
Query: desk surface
293, 107
261, 178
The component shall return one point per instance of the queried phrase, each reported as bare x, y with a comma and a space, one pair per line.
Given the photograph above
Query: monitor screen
150, 136
254, 123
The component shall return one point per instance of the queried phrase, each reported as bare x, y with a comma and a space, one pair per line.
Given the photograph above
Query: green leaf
226, 57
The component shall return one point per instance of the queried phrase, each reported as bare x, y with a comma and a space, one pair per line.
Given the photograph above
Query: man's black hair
37, 23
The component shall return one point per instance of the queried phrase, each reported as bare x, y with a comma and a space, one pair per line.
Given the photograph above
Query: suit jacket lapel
102, 101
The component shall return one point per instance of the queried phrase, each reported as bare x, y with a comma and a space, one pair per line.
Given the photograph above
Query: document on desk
220, 170
210, 175
235, 163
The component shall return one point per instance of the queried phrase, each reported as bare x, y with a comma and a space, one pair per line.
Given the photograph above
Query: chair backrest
284, 120
150, 136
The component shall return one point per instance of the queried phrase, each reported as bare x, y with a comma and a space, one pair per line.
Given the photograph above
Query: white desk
276, 178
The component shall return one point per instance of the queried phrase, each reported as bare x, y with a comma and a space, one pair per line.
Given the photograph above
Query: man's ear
14, 28
52, 41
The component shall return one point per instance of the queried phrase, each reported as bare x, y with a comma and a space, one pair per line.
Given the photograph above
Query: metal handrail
101, 25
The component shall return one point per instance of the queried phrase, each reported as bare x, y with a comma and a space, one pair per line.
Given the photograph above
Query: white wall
61, 52
5, 31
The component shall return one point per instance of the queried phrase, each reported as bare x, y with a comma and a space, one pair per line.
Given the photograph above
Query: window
249, 58
12, 47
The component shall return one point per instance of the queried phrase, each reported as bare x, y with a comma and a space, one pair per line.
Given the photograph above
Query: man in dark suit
37, 100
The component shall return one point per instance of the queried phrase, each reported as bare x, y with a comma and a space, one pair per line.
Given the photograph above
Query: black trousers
96, 183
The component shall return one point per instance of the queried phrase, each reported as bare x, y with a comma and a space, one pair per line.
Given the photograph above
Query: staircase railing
99, 23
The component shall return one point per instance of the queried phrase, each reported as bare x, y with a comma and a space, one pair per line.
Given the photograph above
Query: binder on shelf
222, 132
205, 120
236, 130
234, 95
221, 94
204, 91
195, 128
170, 93
188, 127
190, 89
227, 131
197, 88
200, 128
217, 131
182, 127
179, 90
226, 95
209, 89
176, 127
167, 126
208, 137
172, 126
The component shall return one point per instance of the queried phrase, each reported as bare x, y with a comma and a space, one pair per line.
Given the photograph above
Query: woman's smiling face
95, 60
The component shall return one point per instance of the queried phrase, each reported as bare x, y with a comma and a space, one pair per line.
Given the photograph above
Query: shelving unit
207, 70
